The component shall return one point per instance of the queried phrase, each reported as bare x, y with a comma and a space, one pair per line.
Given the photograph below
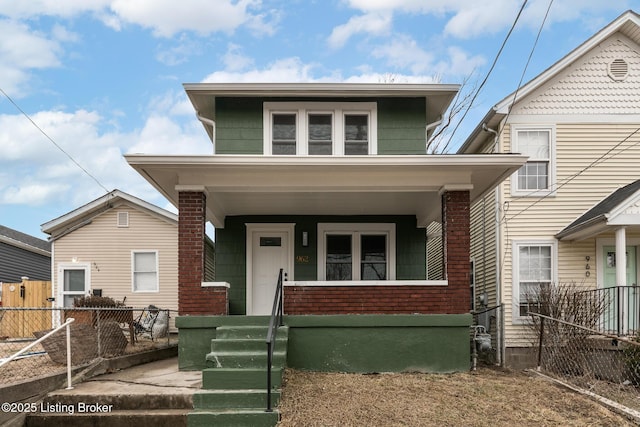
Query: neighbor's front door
621, 304
269, 253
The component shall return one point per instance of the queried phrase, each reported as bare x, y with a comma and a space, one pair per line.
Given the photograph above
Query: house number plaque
302, 259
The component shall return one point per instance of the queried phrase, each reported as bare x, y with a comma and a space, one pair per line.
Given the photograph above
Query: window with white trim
144, 271
320, 128
535, 177
356, 251
534, 268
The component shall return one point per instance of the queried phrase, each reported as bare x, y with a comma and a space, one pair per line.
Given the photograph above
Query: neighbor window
356, 251
320, 128
534, 271
145, 271
536, 176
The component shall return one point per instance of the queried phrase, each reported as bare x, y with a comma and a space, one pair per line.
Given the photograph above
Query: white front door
73, 282
269, 249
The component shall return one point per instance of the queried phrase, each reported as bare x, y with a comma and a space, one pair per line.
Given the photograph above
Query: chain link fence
96, 333
603, 364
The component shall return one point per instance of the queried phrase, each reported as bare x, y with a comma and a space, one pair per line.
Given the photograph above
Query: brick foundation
192, 297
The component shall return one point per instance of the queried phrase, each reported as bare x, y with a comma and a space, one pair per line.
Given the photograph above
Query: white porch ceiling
285, 185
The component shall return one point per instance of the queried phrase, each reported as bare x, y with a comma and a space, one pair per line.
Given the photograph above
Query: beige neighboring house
574, 208
118, 245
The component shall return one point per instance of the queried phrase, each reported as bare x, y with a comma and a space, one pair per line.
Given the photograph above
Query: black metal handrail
275, 322
618, 308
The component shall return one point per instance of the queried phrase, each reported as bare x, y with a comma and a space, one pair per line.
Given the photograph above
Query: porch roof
325, 185
620, 208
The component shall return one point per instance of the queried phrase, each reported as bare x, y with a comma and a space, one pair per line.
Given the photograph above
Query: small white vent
123, 219
618, 69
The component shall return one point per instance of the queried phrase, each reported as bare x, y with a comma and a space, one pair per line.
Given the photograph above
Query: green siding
238, 126
401, 124
231, 249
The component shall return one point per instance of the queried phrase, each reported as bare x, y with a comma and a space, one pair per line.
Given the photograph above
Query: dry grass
485, 397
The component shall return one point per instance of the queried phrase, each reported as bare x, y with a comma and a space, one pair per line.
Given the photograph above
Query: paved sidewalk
154, 378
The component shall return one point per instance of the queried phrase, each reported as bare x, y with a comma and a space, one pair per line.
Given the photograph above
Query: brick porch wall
192, 297
366, 300
457, 245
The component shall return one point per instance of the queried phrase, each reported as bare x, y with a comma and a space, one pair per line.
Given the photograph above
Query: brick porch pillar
456, 245
193, 299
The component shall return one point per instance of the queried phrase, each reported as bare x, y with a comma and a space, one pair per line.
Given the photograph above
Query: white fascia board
90, 208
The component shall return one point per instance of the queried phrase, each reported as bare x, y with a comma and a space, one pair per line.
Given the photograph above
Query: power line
52, 141
495, 60
526, 66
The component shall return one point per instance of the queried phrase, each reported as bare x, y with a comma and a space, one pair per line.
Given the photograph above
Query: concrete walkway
154, 378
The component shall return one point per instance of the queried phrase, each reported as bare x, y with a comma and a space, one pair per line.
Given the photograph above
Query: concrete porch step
233, 418
240, 378
253, 344
234, 399
248, 332
115, 418
244, 359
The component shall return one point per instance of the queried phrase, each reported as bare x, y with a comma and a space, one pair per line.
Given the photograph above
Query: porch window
356, 252
145, 271
320, 128
534, 269
536, 176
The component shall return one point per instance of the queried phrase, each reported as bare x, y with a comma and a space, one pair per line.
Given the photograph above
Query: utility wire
495, 60
526, 66
52, 141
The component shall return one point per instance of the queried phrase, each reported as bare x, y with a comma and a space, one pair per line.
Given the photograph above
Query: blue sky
103, 78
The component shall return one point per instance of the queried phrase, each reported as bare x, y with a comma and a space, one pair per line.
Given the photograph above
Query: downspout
430, 126
211, 123
500, 329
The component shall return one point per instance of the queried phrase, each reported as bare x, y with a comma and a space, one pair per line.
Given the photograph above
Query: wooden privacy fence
21, 323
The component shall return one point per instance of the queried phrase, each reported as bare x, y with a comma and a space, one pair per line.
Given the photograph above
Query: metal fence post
540, 343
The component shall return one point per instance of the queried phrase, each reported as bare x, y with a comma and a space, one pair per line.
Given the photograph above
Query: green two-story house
332, 184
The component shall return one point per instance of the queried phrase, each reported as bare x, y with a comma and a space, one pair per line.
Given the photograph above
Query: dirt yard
486, 397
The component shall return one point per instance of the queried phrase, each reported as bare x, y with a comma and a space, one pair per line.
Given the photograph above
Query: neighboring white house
579, 123
119, 246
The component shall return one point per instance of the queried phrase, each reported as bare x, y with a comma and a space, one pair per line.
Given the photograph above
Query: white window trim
302, 111
72, 266
515, 245
551, 191
133, 283
356, 230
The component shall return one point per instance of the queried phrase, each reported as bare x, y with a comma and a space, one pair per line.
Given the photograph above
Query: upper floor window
537, 175
320, 128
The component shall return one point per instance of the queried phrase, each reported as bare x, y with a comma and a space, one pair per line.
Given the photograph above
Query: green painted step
220, 344
244, 359
237, 399
240, 378
248, 332
233, 418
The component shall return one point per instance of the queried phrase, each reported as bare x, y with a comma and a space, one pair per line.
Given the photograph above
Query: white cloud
371, 23
282, 70
404, 53
22, 50
234, 59
168, 17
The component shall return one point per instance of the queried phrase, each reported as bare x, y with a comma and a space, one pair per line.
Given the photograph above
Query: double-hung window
144, 271
536, 177
356, 251
320, 128
534, 270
